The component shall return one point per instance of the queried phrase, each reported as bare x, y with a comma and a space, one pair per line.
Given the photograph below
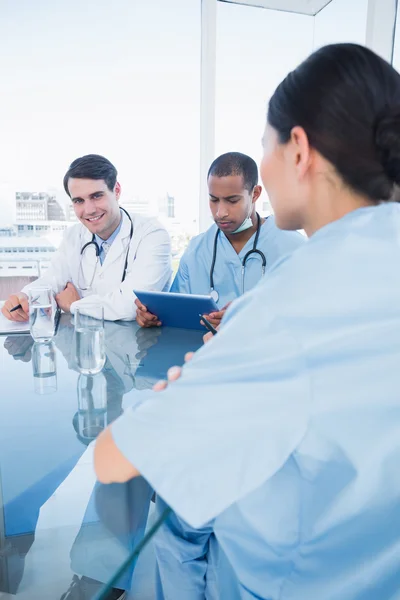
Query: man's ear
257, 192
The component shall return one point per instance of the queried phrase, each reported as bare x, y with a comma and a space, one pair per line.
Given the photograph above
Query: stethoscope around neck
97, 250
213, 292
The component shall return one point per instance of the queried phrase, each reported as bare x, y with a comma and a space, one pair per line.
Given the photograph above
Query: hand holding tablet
176, 310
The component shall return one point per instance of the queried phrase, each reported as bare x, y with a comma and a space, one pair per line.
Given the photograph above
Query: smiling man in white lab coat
108, 254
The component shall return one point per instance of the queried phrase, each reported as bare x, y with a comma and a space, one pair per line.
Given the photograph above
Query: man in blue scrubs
212, 264
213, 261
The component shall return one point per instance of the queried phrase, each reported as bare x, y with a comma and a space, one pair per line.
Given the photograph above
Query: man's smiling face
95, 205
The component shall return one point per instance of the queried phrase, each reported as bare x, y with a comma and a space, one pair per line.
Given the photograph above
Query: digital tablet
178, 310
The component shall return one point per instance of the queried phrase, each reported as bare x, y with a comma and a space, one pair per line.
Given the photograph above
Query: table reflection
53, 512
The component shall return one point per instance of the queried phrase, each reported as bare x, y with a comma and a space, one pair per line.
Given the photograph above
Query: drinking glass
41, 314
90, 352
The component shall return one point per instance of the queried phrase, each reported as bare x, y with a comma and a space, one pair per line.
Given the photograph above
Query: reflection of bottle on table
44, 368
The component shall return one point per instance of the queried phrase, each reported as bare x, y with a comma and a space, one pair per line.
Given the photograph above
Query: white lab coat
149, 267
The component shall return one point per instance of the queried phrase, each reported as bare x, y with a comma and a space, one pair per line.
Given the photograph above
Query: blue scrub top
285, 427
193, 276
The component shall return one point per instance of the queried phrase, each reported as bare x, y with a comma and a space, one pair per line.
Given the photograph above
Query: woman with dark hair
285, 428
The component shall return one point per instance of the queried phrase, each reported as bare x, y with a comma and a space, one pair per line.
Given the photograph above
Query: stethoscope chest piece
214, 295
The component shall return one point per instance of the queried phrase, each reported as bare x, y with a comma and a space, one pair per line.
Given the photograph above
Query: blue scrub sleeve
181, 283
229, 423
289, 241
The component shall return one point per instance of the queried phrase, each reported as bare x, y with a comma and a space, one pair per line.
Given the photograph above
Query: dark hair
235, 163
347, 99
92, 166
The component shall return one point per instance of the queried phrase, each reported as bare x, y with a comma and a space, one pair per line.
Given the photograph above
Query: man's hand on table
65, 298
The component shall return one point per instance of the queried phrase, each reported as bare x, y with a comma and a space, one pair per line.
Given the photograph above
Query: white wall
256, 48
341, 21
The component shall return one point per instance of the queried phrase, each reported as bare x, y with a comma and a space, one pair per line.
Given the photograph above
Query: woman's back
327, 525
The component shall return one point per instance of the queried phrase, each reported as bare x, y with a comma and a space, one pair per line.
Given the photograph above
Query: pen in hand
207, 324
15, 308
20, 305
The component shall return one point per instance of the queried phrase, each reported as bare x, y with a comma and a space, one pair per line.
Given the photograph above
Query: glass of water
41, 314
44, 368
90, 351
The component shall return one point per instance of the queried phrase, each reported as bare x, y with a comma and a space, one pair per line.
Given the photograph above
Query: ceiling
305, 7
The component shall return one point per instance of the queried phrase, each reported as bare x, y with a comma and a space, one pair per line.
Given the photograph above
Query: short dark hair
347, 99
235, 163
92, 166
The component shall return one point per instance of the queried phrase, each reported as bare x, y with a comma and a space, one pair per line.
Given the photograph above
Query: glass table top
63, 535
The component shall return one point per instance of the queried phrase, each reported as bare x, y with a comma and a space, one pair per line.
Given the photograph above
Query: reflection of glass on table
92, 405
44, 368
